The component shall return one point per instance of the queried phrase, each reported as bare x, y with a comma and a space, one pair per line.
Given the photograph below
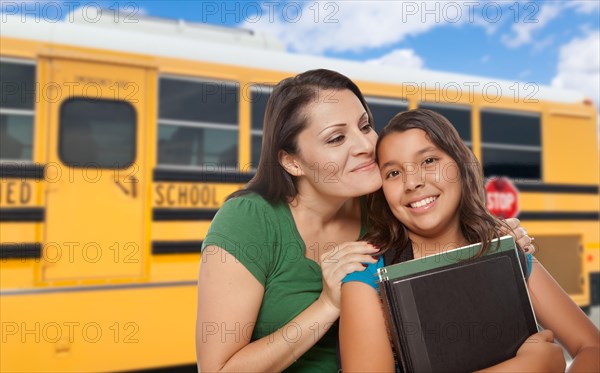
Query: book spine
394, 330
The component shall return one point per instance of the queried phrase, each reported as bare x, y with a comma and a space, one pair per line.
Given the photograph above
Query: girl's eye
367, 128
392, 174
336, 139
429, 160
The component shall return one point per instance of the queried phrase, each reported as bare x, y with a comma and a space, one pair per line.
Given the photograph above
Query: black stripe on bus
22, 214
191, 368
20, 250
176, 247
553, 216
202, 176
15, 170
557, 188
182, 214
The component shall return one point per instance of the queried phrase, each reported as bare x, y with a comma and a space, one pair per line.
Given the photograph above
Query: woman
276, 252
432, 201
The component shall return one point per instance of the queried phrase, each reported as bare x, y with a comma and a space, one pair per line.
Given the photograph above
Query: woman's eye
429, 160
392, 174
367, 127
336, 139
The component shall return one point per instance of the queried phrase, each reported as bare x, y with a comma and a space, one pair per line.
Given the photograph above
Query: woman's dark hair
285, 117
476, 223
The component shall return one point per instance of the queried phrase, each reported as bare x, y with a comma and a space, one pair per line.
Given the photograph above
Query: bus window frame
193, 124
444, 105
256, 132
385, 100
505, 146
24, 112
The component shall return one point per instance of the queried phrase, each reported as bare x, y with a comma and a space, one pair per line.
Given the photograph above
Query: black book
452, 312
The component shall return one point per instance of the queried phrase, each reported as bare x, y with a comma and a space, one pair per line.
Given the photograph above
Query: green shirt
264, 238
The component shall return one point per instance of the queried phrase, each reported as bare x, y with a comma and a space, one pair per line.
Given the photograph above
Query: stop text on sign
502, 197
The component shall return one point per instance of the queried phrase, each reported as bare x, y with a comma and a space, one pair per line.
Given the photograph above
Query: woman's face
421, 183
337, 149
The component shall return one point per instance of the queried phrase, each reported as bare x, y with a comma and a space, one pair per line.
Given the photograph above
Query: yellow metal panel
176, 267
179, 230
557, 202
16, 274
20, 48
592, 257
588, 229
571, 155
244, 137
95, 217
136, 328
18, 232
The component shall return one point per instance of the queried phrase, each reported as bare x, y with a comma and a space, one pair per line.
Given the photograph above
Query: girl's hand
346, 258
520, 235
541, 354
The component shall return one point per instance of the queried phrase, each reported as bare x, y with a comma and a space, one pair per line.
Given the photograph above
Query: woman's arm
556, 311
229, 299
364, 341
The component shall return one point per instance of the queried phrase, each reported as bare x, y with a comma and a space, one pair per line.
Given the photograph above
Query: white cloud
579, 66
355, 26
522, 32
358, 25
584, 6
401, 58
539, 46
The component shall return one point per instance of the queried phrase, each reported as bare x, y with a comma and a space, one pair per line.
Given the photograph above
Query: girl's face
337, 149
421, 184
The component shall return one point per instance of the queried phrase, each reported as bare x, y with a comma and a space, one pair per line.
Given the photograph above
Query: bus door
95, 173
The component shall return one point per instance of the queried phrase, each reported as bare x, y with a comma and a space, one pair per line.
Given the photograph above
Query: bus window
97, 133
459, 116
258, 99
384, 109
511, 144
17, 102
198, 123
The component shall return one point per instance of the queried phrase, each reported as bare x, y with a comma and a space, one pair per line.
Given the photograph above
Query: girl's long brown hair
476, 223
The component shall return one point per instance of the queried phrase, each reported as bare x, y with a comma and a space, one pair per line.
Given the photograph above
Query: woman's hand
541, 354
520, 235
346, 258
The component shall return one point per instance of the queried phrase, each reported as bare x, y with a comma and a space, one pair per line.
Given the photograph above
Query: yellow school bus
119, 142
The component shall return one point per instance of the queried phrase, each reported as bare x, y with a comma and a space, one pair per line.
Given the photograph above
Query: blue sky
547, 42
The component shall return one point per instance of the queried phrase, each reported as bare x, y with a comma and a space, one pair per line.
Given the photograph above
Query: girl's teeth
423, 202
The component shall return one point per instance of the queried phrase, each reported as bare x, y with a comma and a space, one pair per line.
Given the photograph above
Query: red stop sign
502, 198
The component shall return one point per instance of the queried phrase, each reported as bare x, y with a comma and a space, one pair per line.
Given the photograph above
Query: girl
277, 251
433, 200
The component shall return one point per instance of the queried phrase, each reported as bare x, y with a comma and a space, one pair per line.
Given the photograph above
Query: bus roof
201, 42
